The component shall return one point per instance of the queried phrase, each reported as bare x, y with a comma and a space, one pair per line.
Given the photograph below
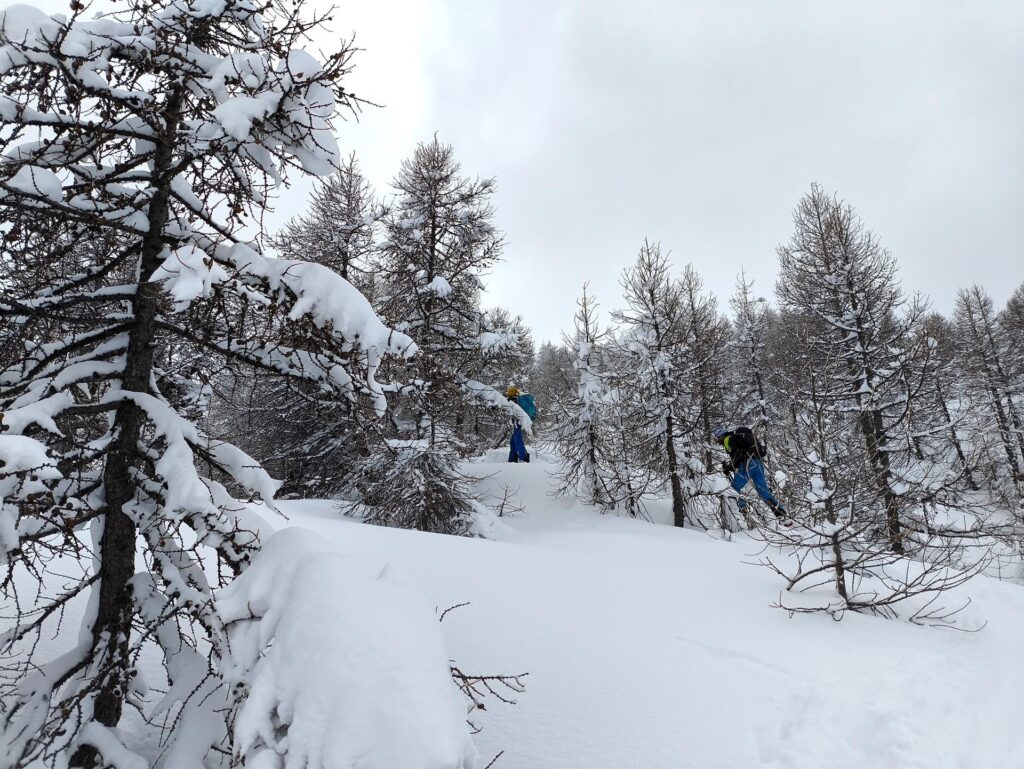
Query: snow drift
344, 671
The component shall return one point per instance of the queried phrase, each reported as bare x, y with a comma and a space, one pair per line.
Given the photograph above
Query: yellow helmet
512, 392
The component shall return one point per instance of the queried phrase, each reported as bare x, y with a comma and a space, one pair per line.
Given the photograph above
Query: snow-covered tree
338, 228
1011, 319
748, 385
479, 425
1011, 324
303, 434
831, 492
819, 454
983, 351
579, 433
552, 375
835, 272
941, 388
633, 473
439, 241
651, 342
702, 366
136, 150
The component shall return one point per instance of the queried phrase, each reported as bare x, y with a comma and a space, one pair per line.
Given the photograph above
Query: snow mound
344, 671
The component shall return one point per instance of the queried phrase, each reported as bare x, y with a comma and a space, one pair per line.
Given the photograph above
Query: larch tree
983, 350
1011, 324
1011, 319
751, 327
841, 538
338, 229
579, 430
552, 375
836, 273
946, 394
702, 367
136, 151
479, 425
651, 344
439, 240
305, 435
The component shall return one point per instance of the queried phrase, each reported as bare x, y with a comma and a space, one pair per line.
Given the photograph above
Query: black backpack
745, 445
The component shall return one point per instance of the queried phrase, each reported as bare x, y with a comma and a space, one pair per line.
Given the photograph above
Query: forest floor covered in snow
650, 646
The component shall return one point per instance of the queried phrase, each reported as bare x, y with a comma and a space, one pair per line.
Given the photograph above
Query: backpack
526, 403
743, 445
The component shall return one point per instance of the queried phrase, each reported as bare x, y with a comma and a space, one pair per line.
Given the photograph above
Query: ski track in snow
652, 647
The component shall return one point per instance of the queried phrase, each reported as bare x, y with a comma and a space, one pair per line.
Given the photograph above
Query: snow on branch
323, 295
186, 490
491, 397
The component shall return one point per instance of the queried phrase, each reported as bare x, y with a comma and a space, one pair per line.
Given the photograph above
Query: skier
746, 460
517, 449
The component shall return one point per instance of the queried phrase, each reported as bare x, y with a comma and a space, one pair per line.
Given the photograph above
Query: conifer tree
649, 347
552, 376
835, 272
751, 329
1012, 321
702, 366
947, 397
137, 151
439, 241
479, 425
1011, 324
339, 227
304, 435
983, 350
635, 473
579, 431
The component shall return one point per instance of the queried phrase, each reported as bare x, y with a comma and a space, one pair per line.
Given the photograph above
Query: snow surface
649, 646
646, 646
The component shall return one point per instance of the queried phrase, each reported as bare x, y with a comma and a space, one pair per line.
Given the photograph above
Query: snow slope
649, 646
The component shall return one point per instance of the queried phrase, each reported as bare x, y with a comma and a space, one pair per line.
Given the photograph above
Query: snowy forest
213, 430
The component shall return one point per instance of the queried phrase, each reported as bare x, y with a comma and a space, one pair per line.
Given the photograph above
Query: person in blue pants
517, 450
517, 447
746, 461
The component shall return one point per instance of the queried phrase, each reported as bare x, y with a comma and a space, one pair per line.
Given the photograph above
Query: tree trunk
874, 439
597, 498
1018, 429
1011, 409
954, 437
679, 515
114, 611
839, 567
1004, 430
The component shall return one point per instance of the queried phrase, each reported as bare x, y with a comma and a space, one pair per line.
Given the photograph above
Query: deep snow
646, 646
649, 646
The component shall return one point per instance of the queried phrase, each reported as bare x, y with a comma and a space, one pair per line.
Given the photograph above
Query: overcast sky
700, 125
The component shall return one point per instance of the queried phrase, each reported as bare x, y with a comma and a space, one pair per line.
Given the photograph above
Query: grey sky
701, 124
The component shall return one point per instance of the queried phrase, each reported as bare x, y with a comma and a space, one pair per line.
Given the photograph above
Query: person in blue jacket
517, 448
746, 461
